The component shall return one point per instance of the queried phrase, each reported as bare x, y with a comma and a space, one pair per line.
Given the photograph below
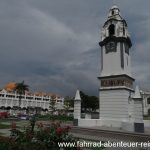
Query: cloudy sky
53, 44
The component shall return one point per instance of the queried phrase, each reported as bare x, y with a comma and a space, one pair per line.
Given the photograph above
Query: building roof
10, 87
114, 7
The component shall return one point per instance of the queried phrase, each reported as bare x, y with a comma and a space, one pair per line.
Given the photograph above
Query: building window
148, 100
1, 95
111, 30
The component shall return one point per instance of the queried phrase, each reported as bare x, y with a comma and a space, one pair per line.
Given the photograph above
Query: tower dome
114, 12
114, 7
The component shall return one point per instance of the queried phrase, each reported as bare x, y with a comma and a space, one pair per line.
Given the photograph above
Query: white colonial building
31, 101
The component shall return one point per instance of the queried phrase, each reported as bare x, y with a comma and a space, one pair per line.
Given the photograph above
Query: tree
89, 103
92, 103
84, 99
68, 103
20, 89
52, 104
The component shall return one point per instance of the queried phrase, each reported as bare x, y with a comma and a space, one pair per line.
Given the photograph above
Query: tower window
126, 48
111, 29
112, 12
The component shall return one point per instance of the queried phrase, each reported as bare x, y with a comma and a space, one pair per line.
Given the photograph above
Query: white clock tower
116, 81
115, 44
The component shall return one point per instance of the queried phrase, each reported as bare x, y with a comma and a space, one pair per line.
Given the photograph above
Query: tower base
133, 126
111, 124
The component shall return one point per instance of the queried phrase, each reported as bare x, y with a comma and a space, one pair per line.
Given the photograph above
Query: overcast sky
53, 44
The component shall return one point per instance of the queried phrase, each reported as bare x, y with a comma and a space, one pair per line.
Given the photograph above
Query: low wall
146, 123
98, 122
128, 126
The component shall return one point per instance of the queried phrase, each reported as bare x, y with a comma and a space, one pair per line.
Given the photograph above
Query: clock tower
115, 45
119, 104
116, 81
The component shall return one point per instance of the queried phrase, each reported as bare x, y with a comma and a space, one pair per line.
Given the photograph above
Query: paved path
90, 134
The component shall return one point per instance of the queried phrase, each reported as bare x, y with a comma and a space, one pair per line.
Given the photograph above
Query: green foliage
52, 105
89, 103
20, 89
61, 117
68, 103
6, 143
32, 122
55, 117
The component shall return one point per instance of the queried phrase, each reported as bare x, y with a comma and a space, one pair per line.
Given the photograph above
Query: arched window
112, 12
111, 30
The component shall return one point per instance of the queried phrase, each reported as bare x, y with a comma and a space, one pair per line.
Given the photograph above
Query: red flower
59, 131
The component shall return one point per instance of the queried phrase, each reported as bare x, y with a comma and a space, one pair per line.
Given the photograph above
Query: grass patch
10, 120
7, 125
54, 117
4, 126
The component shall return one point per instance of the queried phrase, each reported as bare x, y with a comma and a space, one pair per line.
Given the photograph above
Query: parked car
24, 117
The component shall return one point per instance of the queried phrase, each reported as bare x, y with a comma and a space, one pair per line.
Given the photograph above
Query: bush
55, 117
44, 138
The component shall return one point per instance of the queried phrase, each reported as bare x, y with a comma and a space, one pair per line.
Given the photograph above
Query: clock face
110, 47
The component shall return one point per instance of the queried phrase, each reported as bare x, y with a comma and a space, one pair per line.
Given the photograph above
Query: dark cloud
53, 45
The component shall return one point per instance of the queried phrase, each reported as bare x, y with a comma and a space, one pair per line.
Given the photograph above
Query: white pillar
77, 106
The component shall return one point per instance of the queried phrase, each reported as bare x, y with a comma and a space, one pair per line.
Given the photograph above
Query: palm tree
52, 104
20, 89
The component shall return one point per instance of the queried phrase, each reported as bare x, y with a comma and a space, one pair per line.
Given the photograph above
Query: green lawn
4, 126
